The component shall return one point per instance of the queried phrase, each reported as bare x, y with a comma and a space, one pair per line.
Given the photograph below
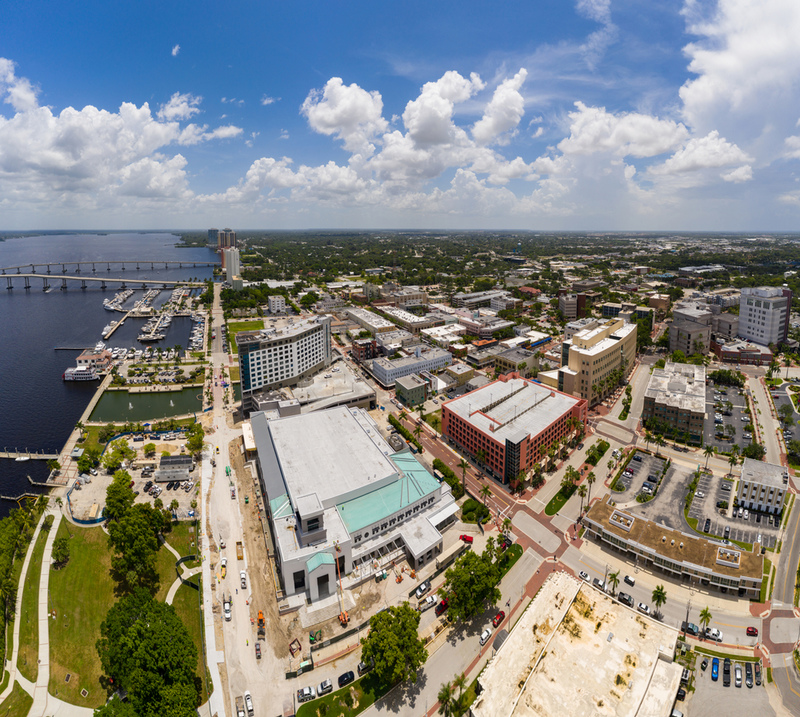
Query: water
121, 406
37, 409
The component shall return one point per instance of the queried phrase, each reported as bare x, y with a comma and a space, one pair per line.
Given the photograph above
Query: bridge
102, 281
109, 266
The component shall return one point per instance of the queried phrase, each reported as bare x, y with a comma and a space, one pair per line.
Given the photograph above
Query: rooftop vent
663, 538
672, 542
681, 546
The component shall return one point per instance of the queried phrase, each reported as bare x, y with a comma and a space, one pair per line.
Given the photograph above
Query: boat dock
119, 323
38, 456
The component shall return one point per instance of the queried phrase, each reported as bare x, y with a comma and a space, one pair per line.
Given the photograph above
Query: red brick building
364, 349
513, 421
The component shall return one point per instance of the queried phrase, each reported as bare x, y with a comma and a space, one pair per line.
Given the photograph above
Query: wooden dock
38, 456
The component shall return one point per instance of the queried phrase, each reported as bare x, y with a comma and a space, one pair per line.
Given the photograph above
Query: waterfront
122, 406
38, 409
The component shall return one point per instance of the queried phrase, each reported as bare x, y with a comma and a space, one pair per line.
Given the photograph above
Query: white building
764, 314
276, 304
232, 268
369, 320
762, 486
369, 506
282, 355
387, 371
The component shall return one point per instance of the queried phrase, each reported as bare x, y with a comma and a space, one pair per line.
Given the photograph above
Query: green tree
60, 552
446, 698
471, 583
705, 618
786, 412
393, 644
53, 465
119, 496
149, 449
463, 465
148, 651
134, 541
582, 494
708, 451
590, 479
613, 581
659, 597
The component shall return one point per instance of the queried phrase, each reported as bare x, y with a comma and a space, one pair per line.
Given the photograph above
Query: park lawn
234, 327
509, 558
234, 370
81, 593
28, 656
365, 692
17, 704
165, 567
187, 606
16, 571
182, 537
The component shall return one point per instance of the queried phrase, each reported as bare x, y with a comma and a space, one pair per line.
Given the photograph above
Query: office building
173, 468
369, 507
745, 353
364, 349
762, 486
690, 330
571, 306
476, 299
282, 355
213, 238
764, 314
231, 264
411, 390
695, 561
512, 422
592, 359
387, 371
460, 373
574, 327
276, 304
676, 398
517, 360
412, 322
484, 326
369, 320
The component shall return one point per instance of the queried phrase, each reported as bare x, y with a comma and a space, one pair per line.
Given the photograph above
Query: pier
38, 456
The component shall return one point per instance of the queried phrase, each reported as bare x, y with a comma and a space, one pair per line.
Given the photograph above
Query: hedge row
405, 433
449, 478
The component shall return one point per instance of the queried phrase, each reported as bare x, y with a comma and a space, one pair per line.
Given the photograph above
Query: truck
262, 625
240, 707
239, 550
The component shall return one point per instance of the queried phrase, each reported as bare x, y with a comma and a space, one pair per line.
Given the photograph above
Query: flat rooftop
764, 473
503, 409
689, 550
281, 329
679, 385
575, 651
334, 454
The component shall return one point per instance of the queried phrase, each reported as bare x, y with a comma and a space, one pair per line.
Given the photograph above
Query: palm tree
446, 698
705, 618
417, 432
463, 465
402, 417
589, 480
648, 439
485, 492
480, 455
659, 597
708, 451
506, 525
613, 580
733, 459
460, 682
582, 494
660, 443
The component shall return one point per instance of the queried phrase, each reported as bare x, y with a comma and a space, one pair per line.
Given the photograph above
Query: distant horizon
564, 116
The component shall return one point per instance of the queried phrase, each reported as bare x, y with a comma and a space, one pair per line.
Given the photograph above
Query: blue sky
553, 114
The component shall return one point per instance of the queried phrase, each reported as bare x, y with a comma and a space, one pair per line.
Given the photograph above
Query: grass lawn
558, 502
723, 655
234, 371
434, 420
765, 580
360, 695
182, 536
234, 327
187, 605
16, 571
28, 657
81, 594
510, 557
17, 704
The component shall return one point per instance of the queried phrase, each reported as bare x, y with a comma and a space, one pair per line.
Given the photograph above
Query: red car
498, 618
466, 538
441, 607
752, 631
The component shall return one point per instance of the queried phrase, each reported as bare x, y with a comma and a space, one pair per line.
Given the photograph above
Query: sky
594, 115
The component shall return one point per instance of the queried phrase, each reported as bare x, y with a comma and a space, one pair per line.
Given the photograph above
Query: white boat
21, 459
80, 373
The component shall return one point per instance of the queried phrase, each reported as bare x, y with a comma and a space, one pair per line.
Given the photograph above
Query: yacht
80, 373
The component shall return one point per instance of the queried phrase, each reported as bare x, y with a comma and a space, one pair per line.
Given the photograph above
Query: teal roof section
318, 559
281, 507
414, 483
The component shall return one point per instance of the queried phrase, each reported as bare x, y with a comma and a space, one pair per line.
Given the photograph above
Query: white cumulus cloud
504, 112
16, 91
180, 107
175, 50
267, 100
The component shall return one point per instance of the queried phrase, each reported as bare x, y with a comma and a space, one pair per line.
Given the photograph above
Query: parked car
757, 668
690, 628
324, 687
629, 580
645, 609
748, 674
248, 701
306, 694
243, 578
485, 635
625, 599
715, 669
346, 678
422, 589
599, 584
441, 607
713, 634
498, 618
737, 675
726, 672
637, 458
258, 650
681, 694
583, 575
466, 538
752, 632
364, 667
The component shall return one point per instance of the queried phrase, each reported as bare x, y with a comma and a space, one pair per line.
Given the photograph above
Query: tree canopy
148, 651
393, 644
471, 583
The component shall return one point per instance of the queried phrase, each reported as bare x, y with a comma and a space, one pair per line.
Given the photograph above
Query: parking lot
726, 418
666, 508
637, 473
780, 397
710, 492
713, 698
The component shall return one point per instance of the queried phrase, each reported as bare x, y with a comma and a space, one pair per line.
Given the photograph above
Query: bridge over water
108, 266
123, 283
